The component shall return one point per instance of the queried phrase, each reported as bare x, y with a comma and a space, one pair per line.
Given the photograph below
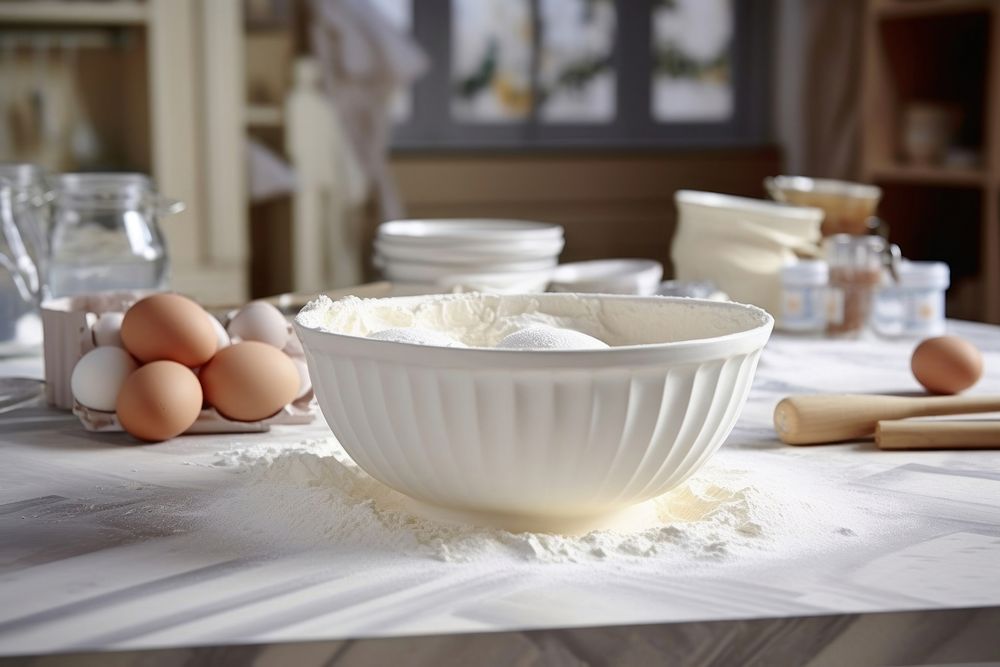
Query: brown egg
249, 381
947, 364
169, 327
159, 401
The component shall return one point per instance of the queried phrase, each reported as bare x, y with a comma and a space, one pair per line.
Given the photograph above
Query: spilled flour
311, 493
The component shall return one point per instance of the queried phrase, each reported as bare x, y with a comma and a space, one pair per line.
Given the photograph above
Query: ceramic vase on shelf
928, 131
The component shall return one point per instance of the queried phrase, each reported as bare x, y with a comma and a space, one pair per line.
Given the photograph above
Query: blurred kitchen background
586, 113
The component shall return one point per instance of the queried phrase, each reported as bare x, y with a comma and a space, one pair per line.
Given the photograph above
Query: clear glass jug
30, 198
105, 234
20, 282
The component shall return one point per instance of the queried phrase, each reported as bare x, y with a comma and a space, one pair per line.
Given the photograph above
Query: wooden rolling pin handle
909, 434
825, 418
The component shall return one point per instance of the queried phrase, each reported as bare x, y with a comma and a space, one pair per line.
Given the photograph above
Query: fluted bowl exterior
535, 433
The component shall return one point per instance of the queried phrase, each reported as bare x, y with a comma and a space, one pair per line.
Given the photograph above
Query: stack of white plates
490, 255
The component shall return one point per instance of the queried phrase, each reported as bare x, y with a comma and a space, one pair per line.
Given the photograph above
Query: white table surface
95, 553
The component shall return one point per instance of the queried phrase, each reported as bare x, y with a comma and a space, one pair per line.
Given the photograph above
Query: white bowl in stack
483, 254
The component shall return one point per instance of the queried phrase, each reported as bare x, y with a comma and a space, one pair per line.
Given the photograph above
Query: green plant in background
669, 60
481, 79
574, 76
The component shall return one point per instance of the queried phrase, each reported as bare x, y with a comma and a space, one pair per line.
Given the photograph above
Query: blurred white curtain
365, 59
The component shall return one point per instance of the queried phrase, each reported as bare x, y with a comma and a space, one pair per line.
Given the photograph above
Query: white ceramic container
741, 244
507, 437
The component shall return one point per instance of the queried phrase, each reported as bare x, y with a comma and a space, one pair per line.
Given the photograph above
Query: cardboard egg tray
68, 323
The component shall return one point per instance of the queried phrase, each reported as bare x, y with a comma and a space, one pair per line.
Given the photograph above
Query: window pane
576, 78
400, 14
491, 60
692, 42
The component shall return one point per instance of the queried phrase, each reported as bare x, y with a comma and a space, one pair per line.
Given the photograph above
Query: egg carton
68, 335
301, 411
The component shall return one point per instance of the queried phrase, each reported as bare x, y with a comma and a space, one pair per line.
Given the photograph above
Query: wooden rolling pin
910, 434
825, 418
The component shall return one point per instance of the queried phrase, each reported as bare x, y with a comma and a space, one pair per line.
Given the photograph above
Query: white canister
740, 244
804, 296
914, 305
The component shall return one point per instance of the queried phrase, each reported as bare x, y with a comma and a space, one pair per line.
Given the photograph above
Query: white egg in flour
543, 337
99, 375
416, 336
107, 330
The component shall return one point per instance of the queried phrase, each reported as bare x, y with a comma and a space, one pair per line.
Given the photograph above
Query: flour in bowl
483, 320
312, 494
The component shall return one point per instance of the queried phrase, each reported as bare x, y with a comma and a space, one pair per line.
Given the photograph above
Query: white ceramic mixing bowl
567, 435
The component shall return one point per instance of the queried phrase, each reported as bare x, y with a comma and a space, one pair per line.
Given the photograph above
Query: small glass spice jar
856, 268
804, 296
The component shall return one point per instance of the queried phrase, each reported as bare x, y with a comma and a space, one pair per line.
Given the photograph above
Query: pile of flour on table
311, 494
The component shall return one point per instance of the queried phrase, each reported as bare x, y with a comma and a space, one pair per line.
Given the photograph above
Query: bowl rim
658, 354
506, 252
716, 200
830, 186
607, 271
467, 229
436, 269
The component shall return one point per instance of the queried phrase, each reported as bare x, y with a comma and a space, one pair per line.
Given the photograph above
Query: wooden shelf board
920, 175
121, 12
889, 9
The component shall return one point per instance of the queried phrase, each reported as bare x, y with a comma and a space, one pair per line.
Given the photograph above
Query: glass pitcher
105, 234
20, 282
30, 199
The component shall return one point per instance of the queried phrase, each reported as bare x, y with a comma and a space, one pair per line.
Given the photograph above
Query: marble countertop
95, 553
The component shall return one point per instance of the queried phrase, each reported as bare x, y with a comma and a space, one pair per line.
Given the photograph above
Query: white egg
220, 333
305, 383
99, 375
107, 330
293, 347
543, 337
415, 336
262, 322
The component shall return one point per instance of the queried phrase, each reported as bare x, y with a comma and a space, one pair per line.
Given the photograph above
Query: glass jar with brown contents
856, 270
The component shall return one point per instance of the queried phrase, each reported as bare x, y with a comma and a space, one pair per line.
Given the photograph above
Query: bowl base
627, 519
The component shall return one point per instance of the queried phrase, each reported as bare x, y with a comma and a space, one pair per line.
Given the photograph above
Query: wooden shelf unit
52, 12
905, 8
187, 59
929, 175
940, 51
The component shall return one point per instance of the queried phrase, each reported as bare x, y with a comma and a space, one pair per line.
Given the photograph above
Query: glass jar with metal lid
857, 268
105, 234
